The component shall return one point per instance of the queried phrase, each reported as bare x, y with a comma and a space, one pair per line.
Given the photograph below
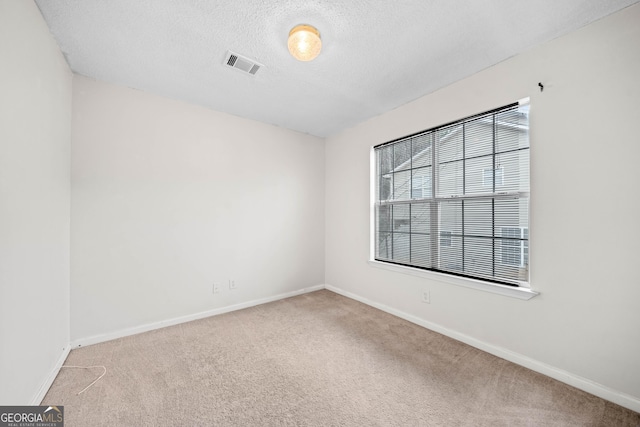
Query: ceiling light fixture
304, 42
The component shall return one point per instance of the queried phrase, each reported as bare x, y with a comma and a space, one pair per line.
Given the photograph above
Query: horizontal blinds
455, 198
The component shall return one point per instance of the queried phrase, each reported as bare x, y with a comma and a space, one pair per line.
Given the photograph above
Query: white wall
585, 214
168, 198
35, 135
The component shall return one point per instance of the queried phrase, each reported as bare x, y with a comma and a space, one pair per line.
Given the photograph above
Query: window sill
494, 288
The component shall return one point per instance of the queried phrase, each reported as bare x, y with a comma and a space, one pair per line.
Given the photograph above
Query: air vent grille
241, 63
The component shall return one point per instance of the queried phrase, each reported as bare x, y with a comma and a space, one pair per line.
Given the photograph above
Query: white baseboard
576, 381
83, 342
44, 388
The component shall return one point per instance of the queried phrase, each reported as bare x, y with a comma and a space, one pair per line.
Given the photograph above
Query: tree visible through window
455, 198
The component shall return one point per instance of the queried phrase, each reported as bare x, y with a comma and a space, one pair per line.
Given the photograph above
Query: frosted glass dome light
304, 42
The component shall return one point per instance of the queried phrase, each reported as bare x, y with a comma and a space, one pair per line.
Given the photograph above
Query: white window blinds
455, 198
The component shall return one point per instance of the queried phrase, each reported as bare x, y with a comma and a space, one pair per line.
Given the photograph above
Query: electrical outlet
232, 284
216, 288
426, 297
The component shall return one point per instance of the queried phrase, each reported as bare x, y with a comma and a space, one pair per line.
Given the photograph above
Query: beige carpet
320, 360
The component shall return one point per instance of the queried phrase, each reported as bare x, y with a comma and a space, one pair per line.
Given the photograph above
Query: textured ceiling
376, 55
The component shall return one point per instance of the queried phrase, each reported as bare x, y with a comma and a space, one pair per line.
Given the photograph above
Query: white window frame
523, 292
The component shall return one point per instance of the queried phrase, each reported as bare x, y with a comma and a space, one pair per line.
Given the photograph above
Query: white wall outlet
216, 288
232, 284
426, 297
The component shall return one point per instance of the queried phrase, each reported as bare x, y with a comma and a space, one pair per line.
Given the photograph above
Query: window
445, 238
455, 198
420, 186
489, 176
515, 246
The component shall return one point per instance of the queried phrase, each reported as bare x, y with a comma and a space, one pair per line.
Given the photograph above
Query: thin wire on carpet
87, 367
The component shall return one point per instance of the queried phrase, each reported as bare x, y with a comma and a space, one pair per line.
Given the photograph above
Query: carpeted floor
314, 360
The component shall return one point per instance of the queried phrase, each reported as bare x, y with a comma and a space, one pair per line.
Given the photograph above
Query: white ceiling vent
241, 63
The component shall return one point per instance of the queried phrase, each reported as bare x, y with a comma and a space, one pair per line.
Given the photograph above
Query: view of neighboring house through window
515, 246
420, 186
445, 238
489, 175
455, 198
